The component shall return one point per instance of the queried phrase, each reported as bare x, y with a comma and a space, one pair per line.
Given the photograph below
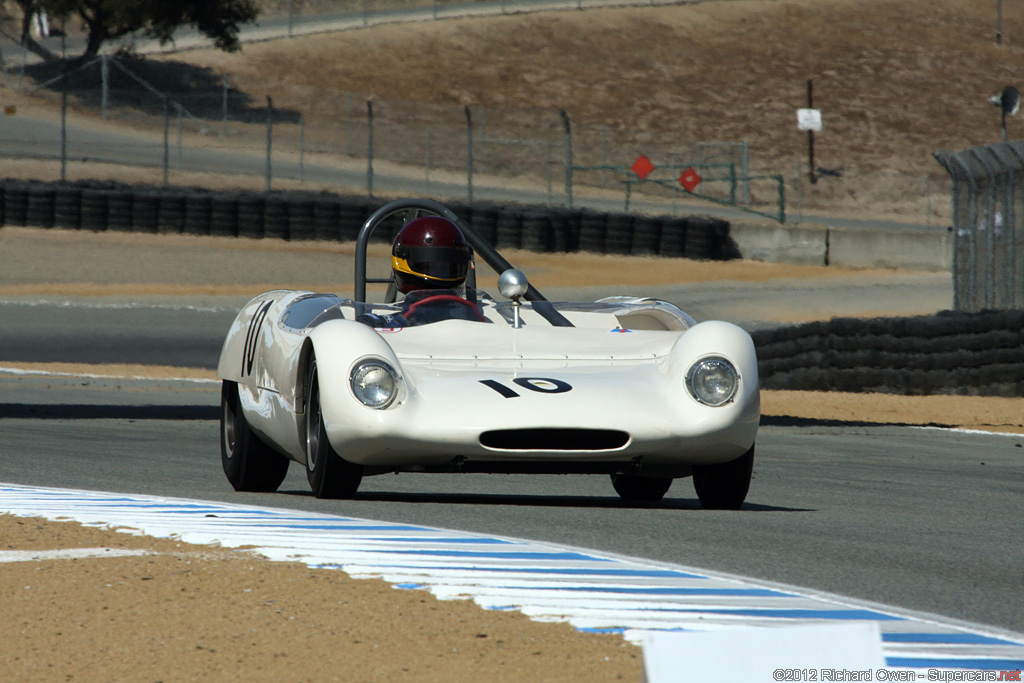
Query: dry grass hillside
895, 79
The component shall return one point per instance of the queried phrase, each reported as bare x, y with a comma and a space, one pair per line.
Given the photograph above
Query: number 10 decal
542, 385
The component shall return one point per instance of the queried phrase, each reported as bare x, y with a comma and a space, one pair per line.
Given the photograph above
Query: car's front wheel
249, 464
637, 489
329, 475
724, 486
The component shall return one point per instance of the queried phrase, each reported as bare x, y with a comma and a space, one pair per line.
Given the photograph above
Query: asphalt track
921, 519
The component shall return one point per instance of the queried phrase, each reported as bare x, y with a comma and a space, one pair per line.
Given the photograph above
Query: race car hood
457, 340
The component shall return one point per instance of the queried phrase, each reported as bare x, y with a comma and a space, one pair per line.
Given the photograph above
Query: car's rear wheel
329, 475
724, 486
249, 463
637, 489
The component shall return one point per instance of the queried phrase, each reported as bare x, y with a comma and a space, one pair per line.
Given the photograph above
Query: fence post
369, 147
104, 84
270, 139
224, 108
302, 148
350, 123
180, 109
551, 163
426, 160
782, 198
167, 137
469, 154
568, 156
746, 173
64, 124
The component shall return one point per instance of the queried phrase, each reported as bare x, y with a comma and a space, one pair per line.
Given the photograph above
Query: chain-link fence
180, 117
988, 248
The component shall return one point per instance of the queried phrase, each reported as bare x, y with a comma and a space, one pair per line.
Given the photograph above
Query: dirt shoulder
184, 612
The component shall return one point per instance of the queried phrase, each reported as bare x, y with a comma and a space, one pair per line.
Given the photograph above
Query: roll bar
479, 245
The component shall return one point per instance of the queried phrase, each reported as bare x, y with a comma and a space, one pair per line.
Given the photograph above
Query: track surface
922, 519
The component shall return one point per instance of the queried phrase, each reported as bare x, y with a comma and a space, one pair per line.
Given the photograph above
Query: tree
105, 20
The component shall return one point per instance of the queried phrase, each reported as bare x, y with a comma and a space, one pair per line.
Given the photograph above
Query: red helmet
430, 252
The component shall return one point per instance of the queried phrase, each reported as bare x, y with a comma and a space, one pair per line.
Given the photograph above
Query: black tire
636, 489
119, 210
198, 209
15, 203
724, 486
94, 209
326, 217
329, 475
67, 207
170, 216
39, 212
249, 464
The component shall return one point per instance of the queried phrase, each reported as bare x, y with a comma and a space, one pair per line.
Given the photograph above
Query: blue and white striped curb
593, 591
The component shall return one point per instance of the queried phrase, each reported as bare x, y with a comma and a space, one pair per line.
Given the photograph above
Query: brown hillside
896, 79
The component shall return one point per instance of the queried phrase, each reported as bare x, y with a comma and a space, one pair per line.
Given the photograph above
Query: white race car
629, 387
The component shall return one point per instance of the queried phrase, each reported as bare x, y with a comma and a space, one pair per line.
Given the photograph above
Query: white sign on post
808, 119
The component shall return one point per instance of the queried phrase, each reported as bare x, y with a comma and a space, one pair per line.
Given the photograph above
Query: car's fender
338, 345
715, 338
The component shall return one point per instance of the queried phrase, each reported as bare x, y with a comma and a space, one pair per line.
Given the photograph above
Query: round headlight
374, 383
712, 381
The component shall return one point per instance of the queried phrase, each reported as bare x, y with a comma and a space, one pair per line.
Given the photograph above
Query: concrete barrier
910, 248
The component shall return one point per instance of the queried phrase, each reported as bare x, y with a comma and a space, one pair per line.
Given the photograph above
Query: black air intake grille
554, 439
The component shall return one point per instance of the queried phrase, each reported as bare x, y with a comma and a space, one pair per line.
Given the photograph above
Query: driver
430, 253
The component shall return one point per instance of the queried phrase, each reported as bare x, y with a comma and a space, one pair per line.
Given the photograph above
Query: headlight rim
396, 379
691, 373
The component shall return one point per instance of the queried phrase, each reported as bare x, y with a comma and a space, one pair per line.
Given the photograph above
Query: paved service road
922, 519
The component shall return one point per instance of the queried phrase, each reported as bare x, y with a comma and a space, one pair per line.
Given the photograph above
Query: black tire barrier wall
325, 216
948, 353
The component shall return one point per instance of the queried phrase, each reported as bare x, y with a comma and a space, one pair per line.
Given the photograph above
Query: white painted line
591, 590
85, 375
66, 554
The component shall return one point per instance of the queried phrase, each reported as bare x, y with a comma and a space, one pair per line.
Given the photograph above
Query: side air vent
554, 439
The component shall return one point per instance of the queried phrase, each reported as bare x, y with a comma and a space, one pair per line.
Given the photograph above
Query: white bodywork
617, 375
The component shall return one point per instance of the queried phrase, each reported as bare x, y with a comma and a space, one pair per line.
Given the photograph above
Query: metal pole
999, 22
799, 192
104, 84
469, 154
63, 105
810, 133
426, 161
366, 14
290, 3
568, 156
928, 200
604, 151
224, 109
64, 126
369, 147
551, 163
167, 137
302, 148
179, 108
746, 173
270, 138
350, 124
24, 63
